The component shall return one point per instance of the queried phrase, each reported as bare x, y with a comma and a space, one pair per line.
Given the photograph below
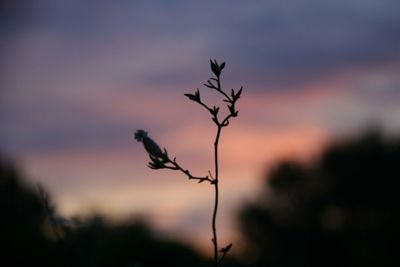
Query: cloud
270, 43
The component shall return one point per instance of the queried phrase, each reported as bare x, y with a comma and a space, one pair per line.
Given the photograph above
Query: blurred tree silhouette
342, 210
22, 239
96, 243
25, 241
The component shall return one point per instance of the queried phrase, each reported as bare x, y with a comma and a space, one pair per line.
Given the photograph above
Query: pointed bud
215, 68
237, 96
222, 66
232, 109
194, 97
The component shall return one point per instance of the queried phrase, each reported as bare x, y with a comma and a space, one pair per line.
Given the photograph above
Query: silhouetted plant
159, 159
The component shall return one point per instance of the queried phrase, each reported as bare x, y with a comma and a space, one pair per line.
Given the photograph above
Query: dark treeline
32, 234
341, 210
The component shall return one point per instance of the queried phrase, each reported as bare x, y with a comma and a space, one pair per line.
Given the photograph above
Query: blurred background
308, 168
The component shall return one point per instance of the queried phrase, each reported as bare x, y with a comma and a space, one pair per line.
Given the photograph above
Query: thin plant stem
161, 160
214, 218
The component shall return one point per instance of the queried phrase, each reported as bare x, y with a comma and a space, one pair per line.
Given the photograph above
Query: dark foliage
342, 210
27, 237
339, 211
99, 244
22, 242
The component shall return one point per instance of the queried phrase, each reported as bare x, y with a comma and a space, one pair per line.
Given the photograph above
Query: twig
161, 160
190, 176
231, 100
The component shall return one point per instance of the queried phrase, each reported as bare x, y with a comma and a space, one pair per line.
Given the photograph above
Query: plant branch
189, 175
217, 87
215, 84
162, 163
160, 160
231, 100
214, 217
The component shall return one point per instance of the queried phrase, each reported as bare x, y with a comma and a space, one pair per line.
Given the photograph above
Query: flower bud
151, 147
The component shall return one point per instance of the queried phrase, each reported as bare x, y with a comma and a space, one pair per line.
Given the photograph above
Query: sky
77, 78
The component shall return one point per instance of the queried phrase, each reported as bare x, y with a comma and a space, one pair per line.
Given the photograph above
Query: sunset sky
79, 77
